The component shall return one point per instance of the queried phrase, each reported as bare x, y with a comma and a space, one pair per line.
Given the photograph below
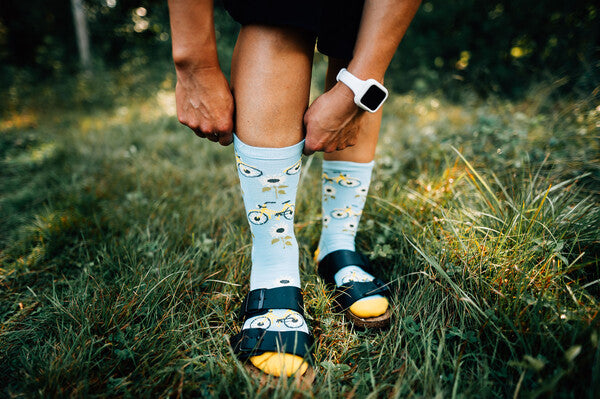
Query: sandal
256, 341
350, 292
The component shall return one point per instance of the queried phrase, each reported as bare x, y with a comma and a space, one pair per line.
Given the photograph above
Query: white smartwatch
368, 94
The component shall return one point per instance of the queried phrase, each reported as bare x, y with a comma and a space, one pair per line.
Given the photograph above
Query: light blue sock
269, 180
345, 188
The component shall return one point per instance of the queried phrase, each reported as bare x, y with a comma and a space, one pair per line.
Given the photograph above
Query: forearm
193, 34
383, 25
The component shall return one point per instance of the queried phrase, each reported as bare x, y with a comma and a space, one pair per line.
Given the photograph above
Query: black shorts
335, 23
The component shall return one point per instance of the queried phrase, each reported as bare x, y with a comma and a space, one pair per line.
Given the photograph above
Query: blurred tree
83, 34
36, 33
497, 46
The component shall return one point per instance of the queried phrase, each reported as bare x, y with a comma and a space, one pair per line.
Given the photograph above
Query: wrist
186, 63
195, 55
344, 91
195, 76
345, 95
364, 72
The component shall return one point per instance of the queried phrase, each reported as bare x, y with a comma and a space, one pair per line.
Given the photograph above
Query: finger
325, 146
308, 146
199, 133
224, 130
214, 137
332, 145
331, 148
308, 152
226, 139
311, 145
308, 149
341, 144
346, 144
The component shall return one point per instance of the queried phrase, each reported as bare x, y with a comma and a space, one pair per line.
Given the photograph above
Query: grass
124, 253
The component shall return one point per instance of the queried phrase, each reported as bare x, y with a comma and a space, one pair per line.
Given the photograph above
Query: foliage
121, 270
498, 47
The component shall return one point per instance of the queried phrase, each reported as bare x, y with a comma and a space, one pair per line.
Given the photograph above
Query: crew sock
269, 181
345, 188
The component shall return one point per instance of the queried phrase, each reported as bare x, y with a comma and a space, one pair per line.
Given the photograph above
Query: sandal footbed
377, 322
382, 321
304, 381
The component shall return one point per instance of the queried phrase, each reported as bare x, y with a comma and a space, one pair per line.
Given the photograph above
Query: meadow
124, 250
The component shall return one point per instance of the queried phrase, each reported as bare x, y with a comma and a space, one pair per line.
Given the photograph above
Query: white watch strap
355, 84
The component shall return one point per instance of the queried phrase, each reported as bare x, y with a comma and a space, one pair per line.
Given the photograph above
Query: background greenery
494, 47
121, 270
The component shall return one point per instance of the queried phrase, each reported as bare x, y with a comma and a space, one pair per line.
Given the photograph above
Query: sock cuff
267, 153
348, 166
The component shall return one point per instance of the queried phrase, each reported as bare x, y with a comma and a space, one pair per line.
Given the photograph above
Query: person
268, 103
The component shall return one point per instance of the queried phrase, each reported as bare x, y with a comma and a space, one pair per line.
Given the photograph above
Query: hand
332, 121
205, 103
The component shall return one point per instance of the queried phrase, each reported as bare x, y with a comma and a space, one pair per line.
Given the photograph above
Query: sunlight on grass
166, 102
21, 120
33, 156
144, 111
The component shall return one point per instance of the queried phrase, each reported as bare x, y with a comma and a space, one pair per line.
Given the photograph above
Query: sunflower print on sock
281, 233
274, 183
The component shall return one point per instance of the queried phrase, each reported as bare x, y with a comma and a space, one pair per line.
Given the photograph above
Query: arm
204, 100
383, 25
332, 118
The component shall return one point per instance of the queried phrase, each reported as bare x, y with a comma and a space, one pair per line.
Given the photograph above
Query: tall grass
125, 254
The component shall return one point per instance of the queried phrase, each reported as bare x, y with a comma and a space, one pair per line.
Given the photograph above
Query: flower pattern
328, 192
279, 230
281, 233
285, 280
272, 180
274, 183
361, 193
350, 227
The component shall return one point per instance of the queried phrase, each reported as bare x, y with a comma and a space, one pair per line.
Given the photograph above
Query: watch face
373, 97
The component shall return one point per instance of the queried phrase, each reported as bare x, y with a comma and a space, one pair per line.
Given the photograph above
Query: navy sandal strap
350, 292
264, 299
256, 341
336, 260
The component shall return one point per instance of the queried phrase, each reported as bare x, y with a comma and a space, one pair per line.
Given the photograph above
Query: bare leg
364, 150
270, 75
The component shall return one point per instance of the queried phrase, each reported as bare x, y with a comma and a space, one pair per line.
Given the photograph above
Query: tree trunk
82, 33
